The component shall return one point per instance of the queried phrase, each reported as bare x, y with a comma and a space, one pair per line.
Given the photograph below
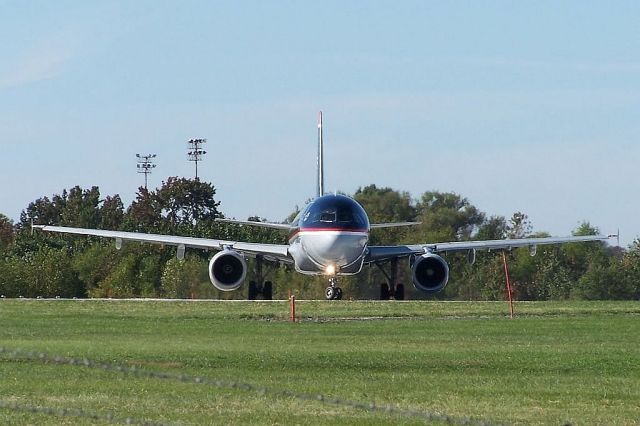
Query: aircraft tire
338, 295
399, 293
384, 291
253, 290
267, 290
330, 293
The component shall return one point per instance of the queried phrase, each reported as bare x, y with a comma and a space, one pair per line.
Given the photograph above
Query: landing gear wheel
267, 290
333, 293
253, 290
384, 291
330, 293
399, 293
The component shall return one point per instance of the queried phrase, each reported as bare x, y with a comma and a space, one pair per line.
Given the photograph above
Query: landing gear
255, 289
266, 288
333, 292
398, 294
391, 288
384, 291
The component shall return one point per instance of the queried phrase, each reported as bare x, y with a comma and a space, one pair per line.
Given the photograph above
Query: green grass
554, 363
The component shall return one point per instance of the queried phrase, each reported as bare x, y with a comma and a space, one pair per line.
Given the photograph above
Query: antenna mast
145, 165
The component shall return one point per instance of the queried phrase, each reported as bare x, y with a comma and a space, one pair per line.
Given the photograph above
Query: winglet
36, 227
616, 236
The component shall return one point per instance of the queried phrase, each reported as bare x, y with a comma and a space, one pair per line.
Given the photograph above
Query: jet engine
227, 270
430, 273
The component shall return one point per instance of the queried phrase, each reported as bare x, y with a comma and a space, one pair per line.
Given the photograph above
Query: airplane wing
393, 224
278, 252
280, 226
377, 253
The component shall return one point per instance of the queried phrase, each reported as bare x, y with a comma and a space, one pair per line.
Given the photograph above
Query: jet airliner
329, 237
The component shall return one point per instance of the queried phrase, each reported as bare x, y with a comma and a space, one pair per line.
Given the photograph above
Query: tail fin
320, 192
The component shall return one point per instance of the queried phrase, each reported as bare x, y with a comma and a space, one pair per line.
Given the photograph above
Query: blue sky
518, 106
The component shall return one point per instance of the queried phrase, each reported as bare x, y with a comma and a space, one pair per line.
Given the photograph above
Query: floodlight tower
196, 152
145, 165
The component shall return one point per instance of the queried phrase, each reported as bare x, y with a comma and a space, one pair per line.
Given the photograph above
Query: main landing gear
391, 288
262, 287
266, 290
333, 292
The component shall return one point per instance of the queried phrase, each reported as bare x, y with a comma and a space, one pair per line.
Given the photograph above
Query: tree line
40, 264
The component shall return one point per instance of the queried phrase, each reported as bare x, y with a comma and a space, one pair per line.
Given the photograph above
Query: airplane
329, 237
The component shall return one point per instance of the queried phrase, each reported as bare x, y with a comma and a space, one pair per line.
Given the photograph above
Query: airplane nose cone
334, 248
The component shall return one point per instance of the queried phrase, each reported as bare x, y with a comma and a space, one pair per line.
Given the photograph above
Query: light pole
196, 152
145, 165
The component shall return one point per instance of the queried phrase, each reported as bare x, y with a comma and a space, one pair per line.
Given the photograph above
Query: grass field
554, 363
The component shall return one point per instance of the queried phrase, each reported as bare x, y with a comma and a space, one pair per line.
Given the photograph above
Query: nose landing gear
333, 292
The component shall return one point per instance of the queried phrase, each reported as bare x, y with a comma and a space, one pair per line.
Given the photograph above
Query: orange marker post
292, 308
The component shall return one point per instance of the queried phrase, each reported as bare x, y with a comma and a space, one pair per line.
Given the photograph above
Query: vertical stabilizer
320, 192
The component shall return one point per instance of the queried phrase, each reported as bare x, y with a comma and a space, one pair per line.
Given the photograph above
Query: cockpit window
328, 216
345, 215
336, 212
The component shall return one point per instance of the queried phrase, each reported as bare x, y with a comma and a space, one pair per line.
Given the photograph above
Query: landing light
331, 270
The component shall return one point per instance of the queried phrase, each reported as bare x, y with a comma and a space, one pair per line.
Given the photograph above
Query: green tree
44, 211
447, 216
133, 271
11, 282
120, 283
111, 213
7, 232
149, 273
144, 214
578, 256
519, 226
46, 272
488, 278
612, 278
76, 207
184, 202
631, 267
187, 279
385, 205
94, 264
493, 228
553, 279
81, 208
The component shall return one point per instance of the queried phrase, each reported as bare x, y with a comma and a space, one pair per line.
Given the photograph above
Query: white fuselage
329, 251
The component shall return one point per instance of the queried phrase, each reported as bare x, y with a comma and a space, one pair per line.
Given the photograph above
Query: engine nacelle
227, 270
430, 273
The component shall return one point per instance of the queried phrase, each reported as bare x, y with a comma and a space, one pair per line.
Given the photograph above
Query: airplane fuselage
330, 237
